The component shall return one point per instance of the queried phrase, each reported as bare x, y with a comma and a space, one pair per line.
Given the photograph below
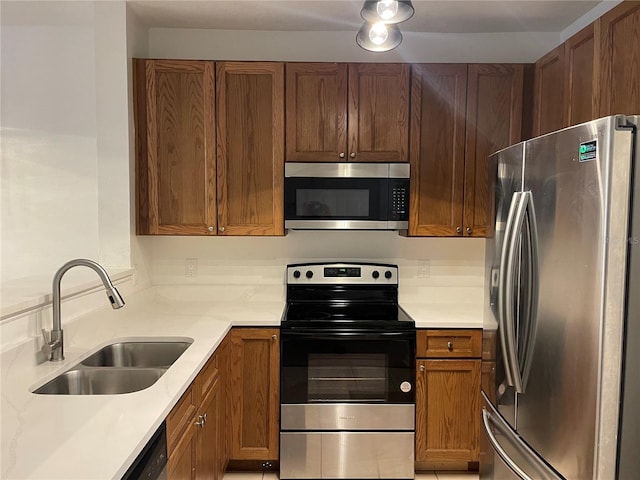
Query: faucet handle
46, 346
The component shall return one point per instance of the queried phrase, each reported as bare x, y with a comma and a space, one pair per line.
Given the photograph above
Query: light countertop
98, 436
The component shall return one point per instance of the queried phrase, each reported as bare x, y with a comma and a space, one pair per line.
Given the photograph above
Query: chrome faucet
53, 343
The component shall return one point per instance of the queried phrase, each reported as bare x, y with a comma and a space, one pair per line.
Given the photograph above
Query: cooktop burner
344, 296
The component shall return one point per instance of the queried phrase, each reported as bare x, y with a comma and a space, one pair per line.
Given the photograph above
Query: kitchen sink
137, 354
120, 367
101, 381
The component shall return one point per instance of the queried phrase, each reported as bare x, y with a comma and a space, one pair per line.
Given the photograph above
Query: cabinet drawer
208, 376
180, 418
449, 343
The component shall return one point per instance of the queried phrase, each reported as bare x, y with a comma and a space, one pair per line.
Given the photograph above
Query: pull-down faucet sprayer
54, 343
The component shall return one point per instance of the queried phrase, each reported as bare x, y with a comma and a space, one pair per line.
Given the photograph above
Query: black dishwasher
151, 464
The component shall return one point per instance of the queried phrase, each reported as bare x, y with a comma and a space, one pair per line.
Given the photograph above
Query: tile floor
419, 476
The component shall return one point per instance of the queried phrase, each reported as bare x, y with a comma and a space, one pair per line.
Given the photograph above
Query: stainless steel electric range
347, 374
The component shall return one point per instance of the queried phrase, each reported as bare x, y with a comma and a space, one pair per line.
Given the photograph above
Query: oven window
320, 202
348, 377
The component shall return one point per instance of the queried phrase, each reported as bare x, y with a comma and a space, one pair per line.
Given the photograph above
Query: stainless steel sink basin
121, 367
101, 381
137, 354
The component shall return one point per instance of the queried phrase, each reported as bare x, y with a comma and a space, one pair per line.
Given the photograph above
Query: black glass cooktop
346, 315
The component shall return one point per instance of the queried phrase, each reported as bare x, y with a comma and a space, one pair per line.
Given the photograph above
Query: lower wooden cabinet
448, 403
193, 427
255, 394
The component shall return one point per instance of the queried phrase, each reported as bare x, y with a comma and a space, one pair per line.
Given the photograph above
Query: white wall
341, 47
65, 143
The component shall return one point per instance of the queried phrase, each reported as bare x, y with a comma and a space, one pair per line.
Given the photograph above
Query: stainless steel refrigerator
563, 307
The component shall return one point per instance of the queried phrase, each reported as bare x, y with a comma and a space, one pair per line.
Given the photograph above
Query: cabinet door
175, 140
619, 58
207, 448
255, 385
494, 120
181, 464
250, 102
223, 423
548, 109
316, 107
438, 98
447, 412
579, 73
378, 112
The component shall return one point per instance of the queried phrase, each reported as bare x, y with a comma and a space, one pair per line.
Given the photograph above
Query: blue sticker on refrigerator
588, 151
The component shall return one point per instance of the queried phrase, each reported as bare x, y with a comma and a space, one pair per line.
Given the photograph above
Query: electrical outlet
190, 267
424, 269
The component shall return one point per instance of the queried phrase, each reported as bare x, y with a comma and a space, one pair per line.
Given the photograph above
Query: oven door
320, 367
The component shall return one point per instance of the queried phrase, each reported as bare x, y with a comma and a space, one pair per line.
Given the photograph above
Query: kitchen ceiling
448, 16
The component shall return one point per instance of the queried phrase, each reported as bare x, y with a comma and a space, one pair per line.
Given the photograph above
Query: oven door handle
336, 335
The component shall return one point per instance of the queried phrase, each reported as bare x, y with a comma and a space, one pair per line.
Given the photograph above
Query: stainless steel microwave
346, 196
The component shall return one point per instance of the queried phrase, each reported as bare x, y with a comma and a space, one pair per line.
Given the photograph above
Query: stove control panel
342, 273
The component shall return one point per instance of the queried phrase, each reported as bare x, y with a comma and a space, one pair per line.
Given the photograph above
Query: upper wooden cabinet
461, 114
618, 54
250, 103
494, 121
439, 104
579, 77
182, 189
347, 112
548, 109
175, 138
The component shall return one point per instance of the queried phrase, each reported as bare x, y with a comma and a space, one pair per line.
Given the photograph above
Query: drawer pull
450, 346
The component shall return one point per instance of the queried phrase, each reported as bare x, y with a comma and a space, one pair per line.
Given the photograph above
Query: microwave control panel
399, 199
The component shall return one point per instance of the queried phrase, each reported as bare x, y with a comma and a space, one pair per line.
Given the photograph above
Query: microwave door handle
487, 420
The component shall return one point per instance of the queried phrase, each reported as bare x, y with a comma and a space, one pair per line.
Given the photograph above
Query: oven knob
296, 274
387, 274
375, 274
309, 274
405, 387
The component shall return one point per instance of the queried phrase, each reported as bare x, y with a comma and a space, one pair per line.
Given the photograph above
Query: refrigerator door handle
510, 255
487, 420
531, 313
505, 294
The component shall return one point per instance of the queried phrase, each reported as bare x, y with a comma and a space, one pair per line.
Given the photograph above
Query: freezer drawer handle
487, 420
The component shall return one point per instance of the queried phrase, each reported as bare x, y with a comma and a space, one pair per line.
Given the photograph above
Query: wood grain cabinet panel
579, 51
255, 393
548, 107
250, 169
439, 102
347, 112
175, 138
316, 112
618, 34
494, 121
448, 413
378, 124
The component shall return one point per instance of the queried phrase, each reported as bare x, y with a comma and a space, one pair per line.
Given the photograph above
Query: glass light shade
379, 37
374, 11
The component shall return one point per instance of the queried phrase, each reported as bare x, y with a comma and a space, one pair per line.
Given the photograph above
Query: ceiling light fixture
387, 11
379, 37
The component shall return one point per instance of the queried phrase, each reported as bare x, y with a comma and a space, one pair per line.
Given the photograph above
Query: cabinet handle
200, 421
450, 346
341, 155
210, 229
469, 230
458, 229
422, 368
353, 155
221, 229
274, 337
